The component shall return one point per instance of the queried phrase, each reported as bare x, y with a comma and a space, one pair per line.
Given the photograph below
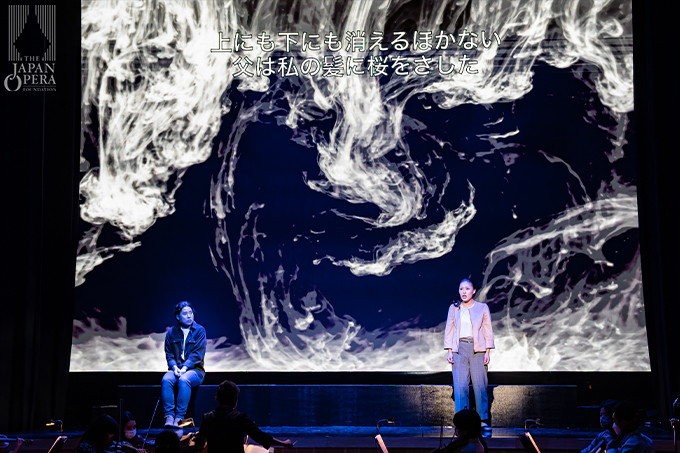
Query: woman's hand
487, 358
450, 357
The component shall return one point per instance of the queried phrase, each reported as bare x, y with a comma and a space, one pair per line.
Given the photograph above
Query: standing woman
468, 338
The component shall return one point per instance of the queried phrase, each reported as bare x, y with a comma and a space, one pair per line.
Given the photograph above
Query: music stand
58, 443
528, 443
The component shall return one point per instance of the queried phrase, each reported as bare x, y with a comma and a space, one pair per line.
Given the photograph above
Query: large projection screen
316, 177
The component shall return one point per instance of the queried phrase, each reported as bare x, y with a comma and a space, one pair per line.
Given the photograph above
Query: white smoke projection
155, 101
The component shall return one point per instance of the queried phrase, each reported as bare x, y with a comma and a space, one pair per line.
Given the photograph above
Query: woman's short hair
468, 420
227, 393
180, 306
626, 411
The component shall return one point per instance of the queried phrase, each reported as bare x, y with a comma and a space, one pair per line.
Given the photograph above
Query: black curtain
39, 152
656, 107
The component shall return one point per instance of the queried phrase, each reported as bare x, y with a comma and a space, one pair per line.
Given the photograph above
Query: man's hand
487, 358
183, 370
176, 370
450, 357
282, 443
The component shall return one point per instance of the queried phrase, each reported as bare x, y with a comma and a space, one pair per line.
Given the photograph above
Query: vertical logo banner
31, 48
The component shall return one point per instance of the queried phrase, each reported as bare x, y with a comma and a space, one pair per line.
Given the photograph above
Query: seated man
468, 431
629, 439
184, 350
224, 428
99, 436
606, 421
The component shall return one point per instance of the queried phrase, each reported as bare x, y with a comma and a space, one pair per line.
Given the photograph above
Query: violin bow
149, 430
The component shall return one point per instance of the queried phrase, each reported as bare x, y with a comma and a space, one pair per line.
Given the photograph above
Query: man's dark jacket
224, 430
195, 348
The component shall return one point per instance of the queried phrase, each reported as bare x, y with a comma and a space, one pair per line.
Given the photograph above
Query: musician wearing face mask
628, 439
606, 422
130, 432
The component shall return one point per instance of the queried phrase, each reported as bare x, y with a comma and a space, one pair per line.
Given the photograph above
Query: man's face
186, 316
625, 426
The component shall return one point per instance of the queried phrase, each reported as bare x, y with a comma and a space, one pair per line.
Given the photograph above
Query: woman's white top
184, 343
465, 321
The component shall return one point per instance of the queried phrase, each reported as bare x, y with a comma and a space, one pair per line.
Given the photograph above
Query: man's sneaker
169, 420
178, 420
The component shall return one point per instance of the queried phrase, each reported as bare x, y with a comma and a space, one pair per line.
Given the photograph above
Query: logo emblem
32, 48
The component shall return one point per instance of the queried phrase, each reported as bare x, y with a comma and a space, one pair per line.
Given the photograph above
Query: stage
321, 224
